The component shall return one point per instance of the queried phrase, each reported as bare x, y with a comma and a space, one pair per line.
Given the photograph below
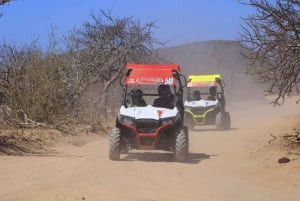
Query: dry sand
235, 165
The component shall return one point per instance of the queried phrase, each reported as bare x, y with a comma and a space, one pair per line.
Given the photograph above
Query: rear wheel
223, 121
181, 145
114, 144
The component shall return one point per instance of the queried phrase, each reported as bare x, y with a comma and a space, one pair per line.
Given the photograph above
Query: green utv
205, 102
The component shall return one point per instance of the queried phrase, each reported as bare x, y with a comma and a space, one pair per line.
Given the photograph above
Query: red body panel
154, 136
153, 66
143, 74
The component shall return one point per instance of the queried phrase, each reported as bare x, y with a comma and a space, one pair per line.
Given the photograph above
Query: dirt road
235, 165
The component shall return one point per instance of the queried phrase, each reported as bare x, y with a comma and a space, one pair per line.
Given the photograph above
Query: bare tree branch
2, 2
272, 38
106, 44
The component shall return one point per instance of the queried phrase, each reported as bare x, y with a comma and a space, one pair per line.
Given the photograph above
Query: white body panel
200, 103
148, 112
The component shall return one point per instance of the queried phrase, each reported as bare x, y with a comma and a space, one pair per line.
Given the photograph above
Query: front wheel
189, 121
181, 145
114, 144
223, 121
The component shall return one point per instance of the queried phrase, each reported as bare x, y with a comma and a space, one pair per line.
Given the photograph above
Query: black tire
114, 144
124, 147
188, 120
227, 121
223, 121
181, 145
186, 130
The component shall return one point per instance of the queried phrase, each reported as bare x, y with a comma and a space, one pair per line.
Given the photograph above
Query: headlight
127, 120
167, 121
187, 108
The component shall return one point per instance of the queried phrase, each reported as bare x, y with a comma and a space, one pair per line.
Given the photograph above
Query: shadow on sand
192, 158
211, 130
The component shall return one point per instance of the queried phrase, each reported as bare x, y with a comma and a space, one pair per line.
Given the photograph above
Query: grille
146, 125
200, 110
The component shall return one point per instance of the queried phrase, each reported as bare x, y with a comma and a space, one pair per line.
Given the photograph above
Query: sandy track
235, 165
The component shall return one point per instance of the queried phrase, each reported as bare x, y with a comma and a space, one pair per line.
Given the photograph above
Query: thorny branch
272, 39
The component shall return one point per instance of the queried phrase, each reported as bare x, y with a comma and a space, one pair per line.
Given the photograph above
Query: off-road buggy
205, 102
150, 127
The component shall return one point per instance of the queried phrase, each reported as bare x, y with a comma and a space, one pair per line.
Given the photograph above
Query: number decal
169, 80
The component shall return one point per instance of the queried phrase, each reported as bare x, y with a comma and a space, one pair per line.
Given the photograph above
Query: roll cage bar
143, 74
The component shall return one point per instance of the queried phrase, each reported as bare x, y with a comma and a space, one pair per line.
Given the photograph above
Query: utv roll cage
162, 74
211, 80
151, 127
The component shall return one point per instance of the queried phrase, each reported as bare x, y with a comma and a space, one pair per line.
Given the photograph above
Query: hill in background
210, 57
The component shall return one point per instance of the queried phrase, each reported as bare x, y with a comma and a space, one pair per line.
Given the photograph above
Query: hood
148, 112
200, 103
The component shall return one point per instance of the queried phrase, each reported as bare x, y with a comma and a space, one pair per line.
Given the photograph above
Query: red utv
148, 125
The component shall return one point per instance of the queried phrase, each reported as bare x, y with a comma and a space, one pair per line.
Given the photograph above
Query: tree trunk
103, 105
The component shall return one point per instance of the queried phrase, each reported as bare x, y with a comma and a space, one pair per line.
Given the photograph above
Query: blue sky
177, 21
